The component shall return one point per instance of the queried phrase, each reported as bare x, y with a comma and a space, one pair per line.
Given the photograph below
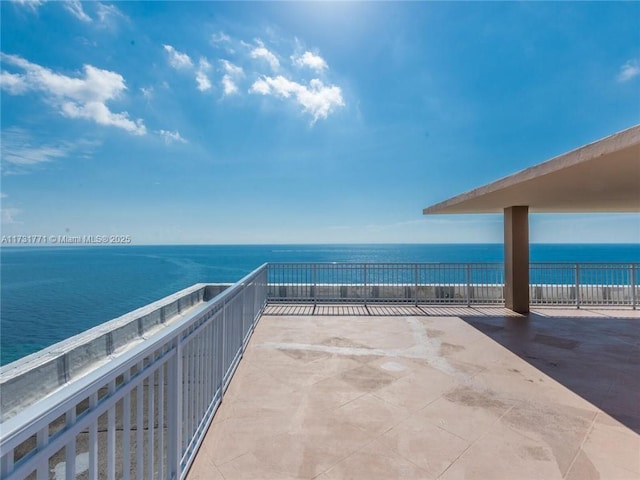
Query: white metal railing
452, 283
144, 413
432, 283
584, 284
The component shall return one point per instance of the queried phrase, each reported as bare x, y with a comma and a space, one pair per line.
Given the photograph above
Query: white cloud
14, 83
100, 113
28, 155
182, 61
74, 97
33, 5
178, 60
4, 195
220, 37
231, 69
75, 8
228, 85
201, 75
311, 60
21, 150
147, 92
629, 70
260, 86
229, 79
170, 137
224, 41
109, 14
316, 98
262, 52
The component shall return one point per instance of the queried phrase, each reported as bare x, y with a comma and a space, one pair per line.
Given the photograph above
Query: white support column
516, 258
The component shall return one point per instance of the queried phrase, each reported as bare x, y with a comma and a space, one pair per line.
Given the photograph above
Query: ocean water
51, 293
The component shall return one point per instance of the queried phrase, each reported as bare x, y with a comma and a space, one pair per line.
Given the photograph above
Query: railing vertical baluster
126, 429
256, 297
564, 291
557, 290
577, 270
315, 284
243, 327
194, 398
70, 447
184, 412
633, 286
161, 394
42, 438
205, 368
216, 355
93, 439
223, 348
468, 275
174, 412
111, 436
190, 399
150, 426
140, 424
415, 278
366, 291
6, 465
202, 374
210, 363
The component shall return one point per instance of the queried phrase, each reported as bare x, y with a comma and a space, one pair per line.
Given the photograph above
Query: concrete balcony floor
438, 392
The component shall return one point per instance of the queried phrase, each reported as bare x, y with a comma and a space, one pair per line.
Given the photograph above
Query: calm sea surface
49, 294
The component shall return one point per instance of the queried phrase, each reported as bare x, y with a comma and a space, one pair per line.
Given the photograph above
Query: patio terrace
431, 392
355, 376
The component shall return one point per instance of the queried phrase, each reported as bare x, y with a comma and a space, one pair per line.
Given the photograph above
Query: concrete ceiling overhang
603, 176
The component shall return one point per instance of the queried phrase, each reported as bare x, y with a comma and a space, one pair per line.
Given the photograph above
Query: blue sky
181, 122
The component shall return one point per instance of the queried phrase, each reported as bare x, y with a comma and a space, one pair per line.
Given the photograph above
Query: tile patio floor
448, 393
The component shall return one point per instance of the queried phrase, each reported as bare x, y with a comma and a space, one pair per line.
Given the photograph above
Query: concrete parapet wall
589, 294
373, 292
453, 293
32, 378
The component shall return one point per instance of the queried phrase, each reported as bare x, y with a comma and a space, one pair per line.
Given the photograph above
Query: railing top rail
635, 263
16, 429
586, 263
384, 263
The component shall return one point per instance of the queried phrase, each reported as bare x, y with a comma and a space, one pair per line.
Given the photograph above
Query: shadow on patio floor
597, 358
